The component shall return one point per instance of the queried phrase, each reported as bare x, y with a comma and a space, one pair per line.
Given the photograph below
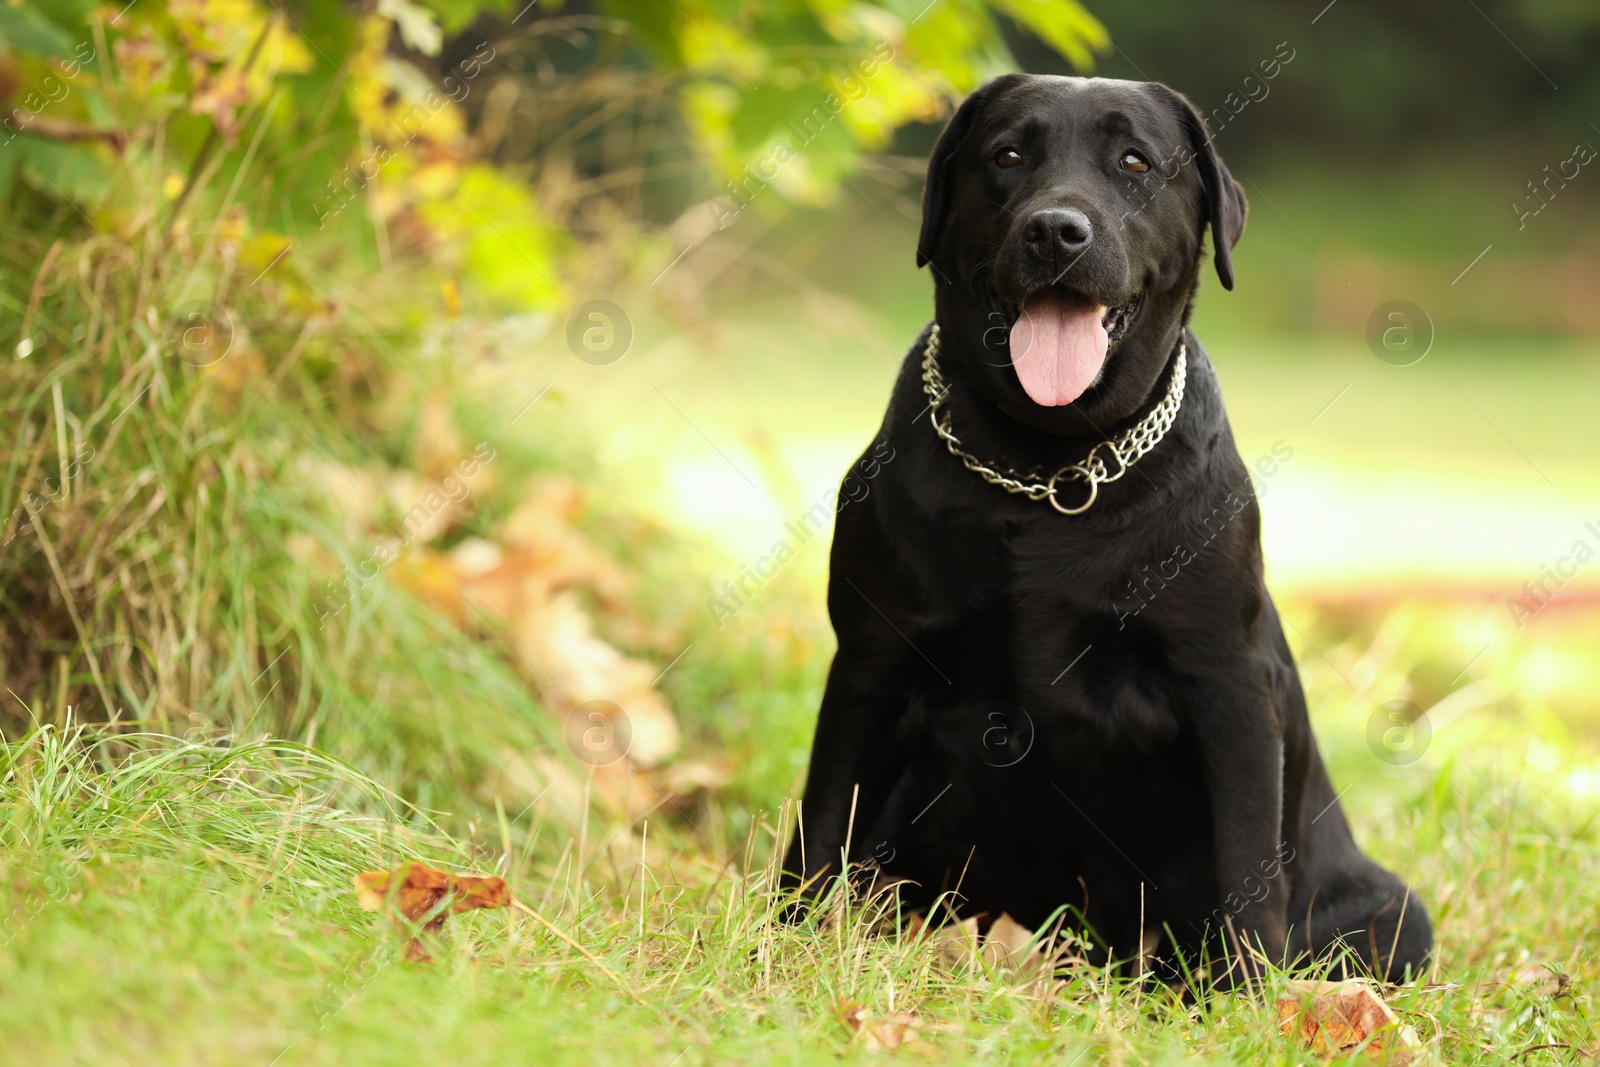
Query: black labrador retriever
1061, 688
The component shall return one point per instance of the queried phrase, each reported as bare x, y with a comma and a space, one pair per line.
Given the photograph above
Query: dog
1061, 690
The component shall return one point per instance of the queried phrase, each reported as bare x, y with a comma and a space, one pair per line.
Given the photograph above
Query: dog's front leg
854, 765
855, 758
1240, 742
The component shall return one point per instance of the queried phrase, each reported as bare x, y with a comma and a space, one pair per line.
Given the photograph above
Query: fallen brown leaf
421, 889
528, 580
438, 445
685, 778
1539, 979
1340, 1017
886, 1032
955, 944
1005, 946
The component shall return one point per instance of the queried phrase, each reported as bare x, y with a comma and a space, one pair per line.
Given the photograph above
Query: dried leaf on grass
528, 580
1342, 1017
438, 445
1539, 980
688, 778
1007, 948
559, 637
954, 944
416, 891
886, 1032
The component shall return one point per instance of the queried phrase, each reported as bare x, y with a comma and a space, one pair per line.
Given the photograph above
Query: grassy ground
175, 902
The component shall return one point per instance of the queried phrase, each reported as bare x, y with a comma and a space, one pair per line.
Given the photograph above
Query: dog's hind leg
1363, 921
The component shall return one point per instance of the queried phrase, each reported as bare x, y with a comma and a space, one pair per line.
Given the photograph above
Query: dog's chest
1035, 637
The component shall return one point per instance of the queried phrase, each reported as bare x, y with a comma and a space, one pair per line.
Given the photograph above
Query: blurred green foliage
1374, 84
323, 105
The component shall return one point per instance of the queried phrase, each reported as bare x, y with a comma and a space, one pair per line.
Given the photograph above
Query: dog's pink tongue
1057, 345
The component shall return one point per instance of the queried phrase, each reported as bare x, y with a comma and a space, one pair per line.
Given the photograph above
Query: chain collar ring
1133, 445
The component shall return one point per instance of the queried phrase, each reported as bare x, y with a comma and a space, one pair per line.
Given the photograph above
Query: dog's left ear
935, 193
1226, 206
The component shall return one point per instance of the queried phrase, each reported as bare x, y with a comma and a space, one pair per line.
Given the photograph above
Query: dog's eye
1133, 163
1007, 158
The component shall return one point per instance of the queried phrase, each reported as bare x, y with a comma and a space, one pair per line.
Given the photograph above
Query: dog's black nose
1058, 230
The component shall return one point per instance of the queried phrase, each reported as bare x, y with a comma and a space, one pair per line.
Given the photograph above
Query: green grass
184, 902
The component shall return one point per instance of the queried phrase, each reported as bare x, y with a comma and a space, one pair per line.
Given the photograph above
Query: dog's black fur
1042, 712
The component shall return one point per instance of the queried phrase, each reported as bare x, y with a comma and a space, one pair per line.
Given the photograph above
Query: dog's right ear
935, 192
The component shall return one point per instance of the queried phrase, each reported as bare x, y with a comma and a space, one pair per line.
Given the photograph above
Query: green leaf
73, 171
1063, 25
8, 173
652, 22
457, 15
25, 29
418, 26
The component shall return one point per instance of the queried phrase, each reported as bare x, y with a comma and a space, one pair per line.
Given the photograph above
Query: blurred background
428, 380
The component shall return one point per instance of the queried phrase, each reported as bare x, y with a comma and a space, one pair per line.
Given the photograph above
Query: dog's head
1063, 219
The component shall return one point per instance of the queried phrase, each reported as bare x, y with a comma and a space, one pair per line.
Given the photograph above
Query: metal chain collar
1127, 450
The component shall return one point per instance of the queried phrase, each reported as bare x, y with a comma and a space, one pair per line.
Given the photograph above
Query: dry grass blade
585, 953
